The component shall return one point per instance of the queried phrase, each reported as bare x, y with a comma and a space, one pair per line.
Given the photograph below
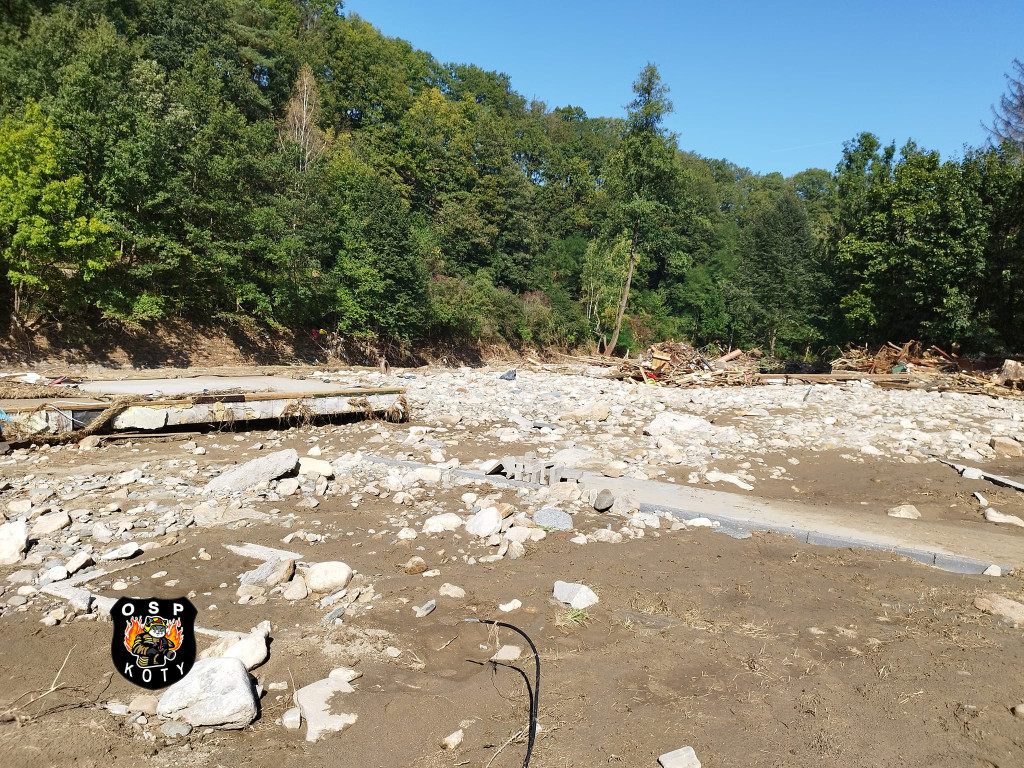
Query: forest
283, 164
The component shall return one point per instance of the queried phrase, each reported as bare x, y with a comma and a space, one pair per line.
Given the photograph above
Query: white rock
123, 552
428, 475
13, 541
252, 473
217, 692
593, 410
484, 523
448, 521
57, 573
424, 610
344, 674
292, 719
905, 511
296, 589
51, 523
310, 466
450, 590
507, 653
127, 478
452, 740
325, 577
288, 487
972, 473
251, 651
723, 477
671, 424
512, 605
578, 596
78, 561
314, 702
407, 534
269, 574
680, 758
993, 570
998, 517
19, 507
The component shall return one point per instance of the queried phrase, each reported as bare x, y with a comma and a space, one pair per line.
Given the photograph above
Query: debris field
333, 565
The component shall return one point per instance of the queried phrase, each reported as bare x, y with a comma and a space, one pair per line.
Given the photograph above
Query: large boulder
252, 473
326, 577
13, 541
217, 693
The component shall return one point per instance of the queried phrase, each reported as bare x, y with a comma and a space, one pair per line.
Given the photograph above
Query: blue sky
772, 85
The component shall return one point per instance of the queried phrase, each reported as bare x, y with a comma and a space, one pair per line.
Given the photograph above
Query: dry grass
649, 603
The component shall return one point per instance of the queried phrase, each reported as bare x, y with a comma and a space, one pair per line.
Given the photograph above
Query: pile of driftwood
675, 364
933, 368
891, 366
891, 358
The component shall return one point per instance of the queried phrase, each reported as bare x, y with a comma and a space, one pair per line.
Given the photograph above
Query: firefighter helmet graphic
154, 642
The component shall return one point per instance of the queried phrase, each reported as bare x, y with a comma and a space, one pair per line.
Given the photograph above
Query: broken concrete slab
260, 470
314, 702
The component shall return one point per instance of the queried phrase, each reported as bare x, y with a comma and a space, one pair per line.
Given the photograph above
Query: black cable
535, 697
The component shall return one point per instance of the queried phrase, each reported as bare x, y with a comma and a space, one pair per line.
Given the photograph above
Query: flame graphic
175, 634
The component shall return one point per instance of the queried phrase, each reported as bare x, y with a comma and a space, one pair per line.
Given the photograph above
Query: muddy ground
760, 652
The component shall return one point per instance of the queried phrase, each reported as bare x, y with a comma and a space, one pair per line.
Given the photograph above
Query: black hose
535, 697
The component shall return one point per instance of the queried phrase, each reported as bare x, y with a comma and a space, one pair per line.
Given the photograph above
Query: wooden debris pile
935, 369
891, 358
675, 364
910, 366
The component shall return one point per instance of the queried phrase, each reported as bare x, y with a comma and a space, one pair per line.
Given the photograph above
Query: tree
641, 174
300, 120
776, 272
1008, 117
49, 243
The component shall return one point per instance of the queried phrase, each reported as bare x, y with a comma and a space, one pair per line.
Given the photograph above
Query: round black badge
154, 643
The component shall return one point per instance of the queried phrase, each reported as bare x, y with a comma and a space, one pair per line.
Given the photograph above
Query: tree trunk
610, 349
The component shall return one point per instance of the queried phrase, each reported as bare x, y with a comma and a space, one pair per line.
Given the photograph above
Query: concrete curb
737, 526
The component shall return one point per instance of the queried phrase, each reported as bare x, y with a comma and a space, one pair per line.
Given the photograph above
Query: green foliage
50, 244
284, 163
